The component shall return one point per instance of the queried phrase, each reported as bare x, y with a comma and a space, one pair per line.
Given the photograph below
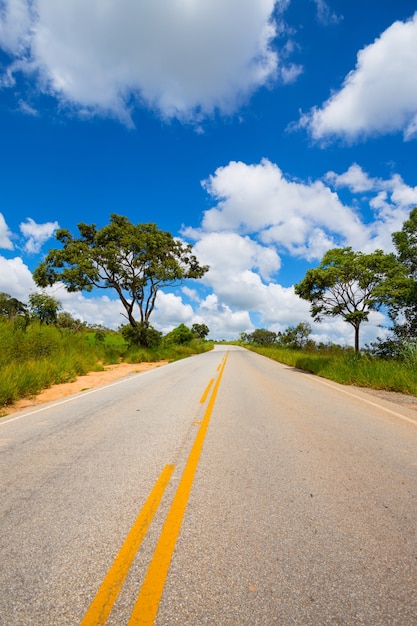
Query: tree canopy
404, 301
349, 284
134, 260
11, 307
44, 308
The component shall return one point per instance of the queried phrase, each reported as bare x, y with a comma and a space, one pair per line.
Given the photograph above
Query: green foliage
11, 308
34, 359
180, 335
402, 298
260, 336
44, 308
349, 284
134, 260
167, 352
349, 367
295, 336
200, 330
65, 321
43, 355
141, 335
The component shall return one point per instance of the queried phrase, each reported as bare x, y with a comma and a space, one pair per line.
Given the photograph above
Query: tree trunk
356, 337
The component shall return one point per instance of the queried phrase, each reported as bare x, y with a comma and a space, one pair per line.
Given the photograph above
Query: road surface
225, 489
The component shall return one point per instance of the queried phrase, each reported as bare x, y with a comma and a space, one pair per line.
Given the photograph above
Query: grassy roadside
348, 368
40, 356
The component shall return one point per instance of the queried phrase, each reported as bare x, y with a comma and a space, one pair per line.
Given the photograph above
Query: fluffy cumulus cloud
182, 57
36, 234
261, 219
301, 218
390, 200
379, 95
16, 278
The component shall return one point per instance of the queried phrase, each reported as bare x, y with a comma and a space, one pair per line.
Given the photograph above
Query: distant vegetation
41, 346
395, 371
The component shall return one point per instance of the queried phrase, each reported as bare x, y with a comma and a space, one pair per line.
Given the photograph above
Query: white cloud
303, 218
379, 95
36, 234
222, 320
391, 201
101, 310
15, 278
260, 219
15, 23
185, 58
5, 235
170, 312
354, 178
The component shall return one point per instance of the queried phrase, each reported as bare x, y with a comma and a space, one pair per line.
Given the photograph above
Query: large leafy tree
404, 301
349, 284
134, 260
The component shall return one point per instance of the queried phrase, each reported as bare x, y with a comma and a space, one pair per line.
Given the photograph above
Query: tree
180, 335
65, 321
134, 260
44, 308
11, 307
403, 302
349, 284
200, 330
262, 337
141, 335
295, 336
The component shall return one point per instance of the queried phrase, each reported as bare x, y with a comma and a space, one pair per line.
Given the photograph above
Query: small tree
11, 307
180, 335
65, 321
141, 335
134, 260
200, 330
44, 308
348, 284
295, 336
263, 337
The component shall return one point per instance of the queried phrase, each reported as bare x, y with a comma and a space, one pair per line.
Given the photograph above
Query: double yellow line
146, 607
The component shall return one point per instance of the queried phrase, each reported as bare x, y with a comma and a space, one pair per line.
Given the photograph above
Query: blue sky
262, 132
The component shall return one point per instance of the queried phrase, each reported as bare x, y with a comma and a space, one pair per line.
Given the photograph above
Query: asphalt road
225, 489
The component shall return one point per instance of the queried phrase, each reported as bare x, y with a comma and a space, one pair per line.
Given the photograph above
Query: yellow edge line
103, 602
205, 394
147, 604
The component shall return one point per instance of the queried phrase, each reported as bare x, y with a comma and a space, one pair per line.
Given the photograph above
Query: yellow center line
147, 604
205, 394
103, 603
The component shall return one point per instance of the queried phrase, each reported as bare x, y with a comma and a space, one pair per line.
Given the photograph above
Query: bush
180, 335
141, 335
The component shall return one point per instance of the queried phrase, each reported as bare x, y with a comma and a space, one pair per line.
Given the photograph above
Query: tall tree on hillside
348, 284
134, 260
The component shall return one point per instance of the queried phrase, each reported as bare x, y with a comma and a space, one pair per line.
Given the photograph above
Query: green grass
348, 368
40, 356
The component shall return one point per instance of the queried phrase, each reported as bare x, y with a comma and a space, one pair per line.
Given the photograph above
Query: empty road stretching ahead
225, 489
